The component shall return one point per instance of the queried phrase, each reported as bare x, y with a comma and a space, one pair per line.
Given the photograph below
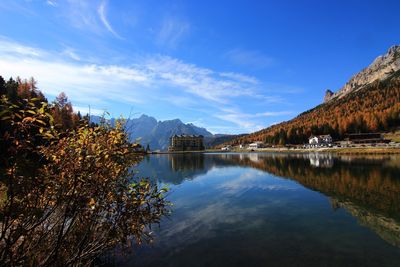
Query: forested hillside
373, 108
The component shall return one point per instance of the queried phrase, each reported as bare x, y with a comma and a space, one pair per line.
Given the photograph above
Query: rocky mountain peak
395, 50
381, 68
328, 95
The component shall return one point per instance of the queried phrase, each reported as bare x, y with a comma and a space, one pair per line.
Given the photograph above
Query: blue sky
229, 66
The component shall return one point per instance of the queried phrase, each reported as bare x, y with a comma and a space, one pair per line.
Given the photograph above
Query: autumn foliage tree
67, 196
63, 113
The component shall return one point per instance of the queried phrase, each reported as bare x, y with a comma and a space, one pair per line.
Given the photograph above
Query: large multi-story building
186, 143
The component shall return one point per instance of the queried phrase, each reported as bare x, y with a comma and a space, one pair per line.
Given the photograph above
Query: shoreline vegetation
343, 150
68, 193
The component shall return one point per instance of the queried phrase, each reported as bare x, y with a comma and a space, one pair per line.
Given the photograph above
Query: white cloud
88, 16
272, 113
9, 47
102, 14
201, 82
172, 31
17, 6
239, 77
89, 84
51, 3
71, 53
82, 15
149, 80
120, 72
239, 120
248, 121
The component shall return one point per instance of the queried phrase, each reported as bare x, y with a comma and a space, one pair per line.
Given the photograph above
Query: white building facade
256, 145
320, 140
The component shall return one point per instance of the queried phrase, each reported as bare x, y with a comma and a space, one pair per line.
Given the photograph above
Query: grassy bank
366, 150
393, 136
347, 150
342, 150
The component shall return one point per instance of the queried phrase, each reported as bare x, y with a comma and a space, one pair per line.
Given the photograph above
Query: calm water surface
256, 209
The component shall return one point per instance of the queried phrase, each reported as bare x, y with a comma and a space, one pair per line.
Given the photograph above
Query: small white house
256, 145
318, 140
226, 148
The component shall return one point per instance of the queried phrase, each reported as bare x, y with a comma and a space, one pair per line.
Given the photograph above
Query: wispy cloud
68, 51
18, 6
51, 3
249, 58
201, 82
102, 14
248, 121
82, 16
8, 47
172, 31
85, 83
151, 79
88, 16
272, 114
239, 77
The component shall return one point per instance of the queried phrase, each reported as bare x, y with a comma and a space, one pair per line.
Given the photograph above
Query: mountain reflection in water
253, 209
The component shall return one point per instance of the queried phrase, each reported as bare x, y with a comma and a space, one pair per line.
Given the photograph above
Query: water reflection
304, 209
370, 181
321, 160
387, 228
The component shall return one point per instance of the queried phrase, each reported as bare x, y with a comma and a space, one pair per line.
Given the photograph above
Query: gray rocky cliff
380, 69
328, 95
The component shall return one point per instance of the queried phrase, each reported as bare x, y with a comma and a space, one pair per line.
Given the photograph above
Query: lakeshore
334, 150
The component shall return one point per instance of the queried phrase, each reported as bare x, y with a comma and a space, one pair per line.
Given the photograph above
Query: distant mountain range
148, 131
368, 102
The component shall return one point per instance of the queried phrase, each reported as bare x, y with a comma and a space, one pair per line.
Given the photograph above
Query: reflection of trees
368, 182
372, 183
186, 162
387, 228
175, 168
368, 188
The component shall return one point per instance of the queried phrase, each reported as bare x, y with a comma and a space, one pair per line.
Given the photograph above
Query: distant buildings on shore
362, 138
256, 145
319, 141
186, 143
349, 140
252, 146
195, 142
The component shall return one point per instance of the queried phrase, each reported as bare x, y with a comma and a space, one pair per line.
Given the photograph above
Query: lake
274, 209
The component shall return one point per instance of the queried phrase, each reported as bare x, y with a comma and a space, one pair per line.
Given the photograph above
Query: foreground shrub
66, 198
